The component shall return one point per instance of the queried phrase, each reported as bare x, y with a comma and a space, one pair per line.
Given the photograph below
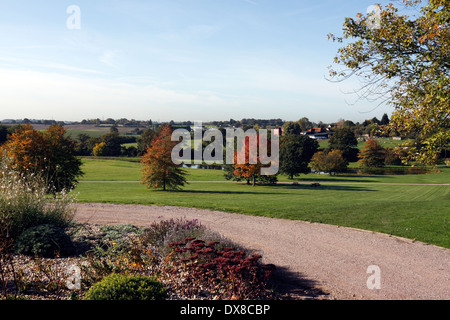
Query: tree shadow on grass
295, 286
321, 179
264, 189
224, 192
340, 178
319, 188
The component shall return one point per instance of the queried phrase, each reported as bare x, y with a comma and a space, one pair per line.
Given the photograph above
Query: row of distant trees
120, 122
305, 123
53, 154
111, 144
108, 145
371, 127
298, 155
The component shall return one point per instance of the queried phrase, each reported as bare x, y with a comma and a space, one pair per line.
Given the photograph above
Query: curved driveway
320, 261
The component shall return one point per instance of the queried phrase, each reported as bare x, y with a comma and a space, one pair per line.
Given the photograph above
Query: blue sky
176, 60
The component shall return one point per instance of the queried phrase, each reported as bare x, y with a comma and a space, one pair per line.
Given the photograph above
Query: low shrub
46, 241
161, 234
119, 253
157, 232
118, 232
226, 271
127, 287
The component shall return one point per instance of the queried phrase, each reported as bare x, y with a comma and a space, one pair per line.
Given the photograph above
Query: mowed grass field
398, 205
130, 170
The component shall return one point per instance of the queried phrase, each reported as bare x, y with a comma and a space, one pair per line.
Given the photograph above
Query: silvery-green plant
25, 203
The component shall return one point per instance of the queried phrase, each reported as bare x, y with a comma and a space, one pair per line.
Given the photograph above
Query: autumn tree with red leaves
159, 170
247, 162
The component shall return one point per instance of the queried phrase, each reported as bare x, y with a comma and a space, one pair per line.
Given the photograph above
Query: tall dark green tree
295, 153
291, 127
113, 144
384, 120
304, 124
3, 134
344, 139
145, 140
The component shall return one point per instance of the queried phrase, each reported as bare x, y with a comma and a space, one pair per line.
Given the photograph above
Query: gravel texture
314, 261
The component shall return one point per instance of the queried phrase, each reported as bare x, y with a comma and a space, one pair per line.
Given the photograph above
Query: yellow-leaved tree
49, 154
404, 60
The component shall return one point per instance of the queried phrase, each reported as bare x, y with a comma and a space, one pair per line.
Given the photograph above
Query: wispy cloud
108, 58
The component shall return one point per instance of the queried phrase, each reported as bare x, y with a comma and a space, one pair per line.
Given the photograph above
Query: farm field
383, 141
418, 212
73, 130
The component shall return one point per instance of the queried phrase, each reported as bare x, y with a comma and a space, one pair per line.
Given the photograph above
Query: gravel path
319, 261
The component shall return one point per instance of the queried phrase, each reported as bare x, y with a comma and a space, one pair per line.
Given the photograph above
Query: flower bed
191, 262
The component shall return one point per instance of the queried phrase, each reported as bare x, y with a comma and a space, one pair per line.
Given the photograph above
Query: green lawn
129, 169
110, 170
417, 212
441, 177
122, 170
384, 142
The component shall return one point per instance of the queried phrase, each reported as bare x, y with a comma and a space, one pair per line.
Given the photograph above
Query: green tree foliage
304, 124
62, 166
344, 139
291, 127
295, 153
112, 143
145, 140
384, 120
3, 134
81, 147
405, 61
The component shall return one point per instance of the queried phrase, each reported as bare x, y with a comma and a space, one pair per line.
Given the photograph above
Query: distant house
317, 133
320, 136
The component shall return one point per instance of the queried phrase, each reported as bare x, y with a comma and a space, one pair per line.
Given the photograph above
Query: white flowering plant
24, 201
